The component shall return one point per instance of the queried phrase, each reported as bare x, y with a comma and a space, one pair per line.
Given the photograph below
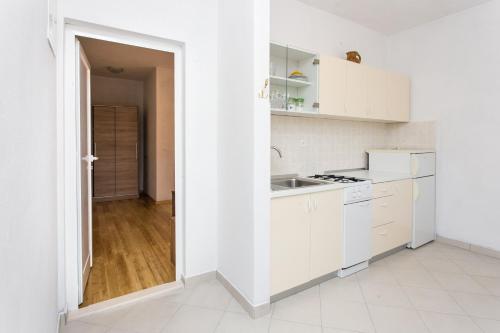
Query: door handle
315, 204
136, 151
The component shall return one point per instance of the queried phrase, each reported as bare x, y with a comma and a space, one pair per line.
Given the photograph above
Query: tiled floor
437, 288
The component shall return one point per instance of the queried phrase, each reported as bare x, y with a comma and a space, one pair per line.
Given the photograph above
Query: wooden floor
131, 246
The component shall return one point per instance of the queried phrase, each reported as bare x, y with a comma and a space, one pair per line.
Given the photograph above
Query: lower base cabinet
392, 215
306, 238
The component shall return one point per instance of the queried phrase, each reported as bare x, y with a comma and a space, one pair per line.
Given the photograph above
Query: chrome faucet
277, 150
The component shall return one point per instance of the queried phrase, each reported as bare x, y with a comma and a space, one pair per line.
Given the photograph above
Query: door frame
69, 142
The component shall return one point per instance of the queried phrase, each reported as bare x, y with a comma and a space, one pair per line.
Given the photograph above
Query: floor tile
459, 282
346, 315
210, 294
447, 323
334, 330
382, 294
192, 319
488, 325
416, 278
432, 300
107, 318
482, 306
234, 306
378, 274
242, 323
147, 317
346, 289
430, 251
303, 307
440, 265
396, 320
491, 284
479, 267
407, 262
279, 326
81, 327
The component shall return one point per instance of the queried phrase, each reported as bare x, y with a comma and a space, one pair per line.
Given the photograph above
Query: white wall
295, 23
116, 91
243, 246
193, 22
28, 239
455, 69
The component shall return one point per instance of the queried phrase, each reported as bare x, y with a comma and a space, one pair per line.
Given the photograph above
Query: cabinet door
290, 232
398, 97
332, 86
103, 132
403, 210
127, 174
376, 93
356, 88
326, 233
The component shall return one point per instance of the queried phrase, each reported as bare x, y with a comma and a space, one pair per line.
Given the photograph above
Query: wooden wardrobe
115, 137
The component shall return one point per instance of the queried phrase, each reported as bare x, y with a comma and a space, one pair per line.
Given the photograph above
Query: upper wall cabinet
355, 91
293, 75
335, 88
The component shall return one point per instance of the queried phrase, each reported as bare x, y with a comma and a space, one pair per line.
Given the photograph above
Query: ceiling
392, 16
137, 62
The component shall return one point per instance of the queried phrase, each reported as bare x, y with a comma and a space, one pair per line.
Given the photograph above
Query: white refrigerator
420, 165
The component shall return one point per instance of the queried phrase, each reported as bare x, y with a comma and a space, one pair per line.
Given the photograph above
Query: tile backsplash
313, 145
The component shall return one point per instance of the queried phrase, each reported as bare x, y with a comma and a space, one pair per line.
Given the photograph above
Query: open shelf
282, 81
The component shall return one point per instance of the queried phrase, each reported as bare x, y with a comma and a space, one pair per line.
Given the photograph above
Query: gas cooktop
337, 179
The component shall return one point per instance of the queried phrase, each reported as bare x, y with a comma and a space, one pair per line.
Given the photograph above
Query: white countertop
406, 151
307, 190
375, 176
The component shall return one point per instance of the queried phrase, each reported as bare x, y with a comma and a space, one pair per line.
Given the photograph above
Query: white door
85, 225
424, 211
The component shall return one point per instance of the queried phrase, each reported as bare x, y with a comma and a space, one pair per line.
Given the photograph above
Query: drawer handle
384, 205
383, 233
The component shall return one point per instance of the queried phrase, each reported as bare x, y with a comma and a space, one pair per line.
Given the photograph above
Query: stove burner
337, 179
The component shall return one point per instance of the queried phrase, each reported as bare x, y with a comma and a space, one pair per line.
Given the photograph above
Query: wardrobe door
103, 118
127, 171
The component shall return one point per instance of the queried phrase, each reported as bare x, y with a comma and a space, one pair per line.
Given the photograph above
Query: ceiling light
115, 70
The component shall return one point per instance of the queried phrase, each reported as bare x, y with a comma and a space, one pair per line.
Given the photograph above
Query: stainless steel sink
295, 182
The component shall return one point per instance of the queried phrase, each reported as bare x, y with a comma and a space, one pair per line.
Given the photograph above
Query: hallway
131, 247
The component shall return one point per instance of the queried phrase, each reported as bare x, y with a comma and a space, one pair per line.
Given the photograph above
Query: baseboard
253, 311
192, 281
469, 247
61, 321
132, 298
302, 287
386, 254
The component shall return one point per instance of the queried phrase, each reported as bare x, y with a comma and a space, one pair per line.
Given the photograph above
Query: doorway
127, 145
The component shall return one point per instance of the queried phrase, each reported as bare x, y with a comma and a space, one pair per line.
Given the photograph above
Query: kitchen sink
289, 183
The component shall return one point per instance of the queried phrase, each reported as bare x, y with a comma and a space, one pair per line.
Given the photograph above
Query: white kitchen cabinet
392, 215
285, 59
332, 86
376, 93
356, 91
398, 97
306, 238
326, 233
290, 242
337, 88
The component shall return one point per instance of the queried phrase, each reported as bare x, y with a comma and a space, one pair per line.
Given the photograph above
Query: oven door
357, 233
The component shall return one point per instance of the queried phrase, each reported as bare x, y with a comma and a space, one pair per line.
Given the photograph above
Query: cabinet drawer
383, 189
384, 210
389, 236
